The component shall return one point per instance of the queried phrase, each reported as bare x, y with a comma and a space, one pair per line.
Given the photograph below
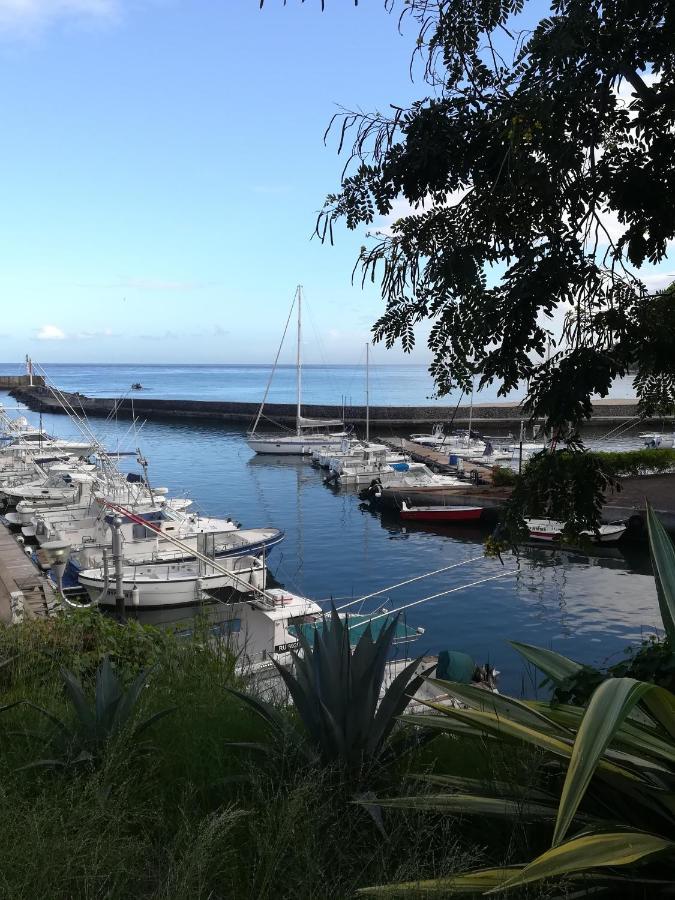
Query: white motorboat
551, 530
153, 549
61, 486
353, 449
175, 583
376, 463
78, 527
267, 627
43, 443
411, 476
310, 434
92, 494
656, 439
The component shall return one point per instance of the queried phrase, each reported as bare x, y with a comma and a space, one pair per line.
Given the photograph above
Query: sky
163, 165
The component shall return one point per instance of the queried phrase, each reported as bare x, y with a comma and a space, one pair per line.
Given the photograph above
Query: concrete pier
23, 588
484, 416
8, 382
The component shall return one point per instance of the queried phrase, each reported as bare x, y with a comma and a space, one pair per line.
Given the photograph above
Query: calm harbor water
589, 607
391, 385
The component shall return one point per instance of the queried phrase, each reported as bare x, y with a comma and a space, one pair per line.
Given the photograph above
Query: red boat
441, 513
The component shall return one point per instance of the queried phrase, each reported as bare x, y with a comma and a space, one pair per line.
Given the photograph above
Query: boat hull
551, 532
178, 590
442, 514
296, 446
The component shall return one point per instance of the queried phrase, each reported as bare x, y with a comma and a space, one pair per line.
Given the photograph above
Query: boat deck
19, 576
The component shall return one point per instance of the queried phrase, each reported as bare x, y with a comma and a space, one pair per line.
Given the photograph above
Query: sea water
390, 385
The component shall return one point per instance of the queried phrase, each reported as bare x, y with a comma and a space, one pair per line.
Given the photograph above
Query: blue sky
163, 164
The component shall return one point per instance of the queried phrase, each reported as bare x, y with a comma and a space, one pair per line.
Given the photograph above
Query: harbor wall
14, 381
484, 415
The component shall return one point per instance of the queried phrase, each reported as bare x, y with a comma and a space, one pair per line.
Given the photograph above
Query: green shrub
636, 462
503, 477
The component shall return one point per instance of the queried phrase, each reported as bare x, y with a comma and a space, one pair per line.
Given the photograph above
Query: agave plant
338, 694
610, 796
85, 738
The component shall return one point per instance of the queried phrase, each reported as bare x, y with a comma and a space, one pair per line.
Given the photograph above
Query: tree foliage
539, 170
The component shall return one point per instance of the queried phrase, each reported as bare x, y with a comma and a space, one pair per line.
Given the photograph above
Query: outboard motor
373, 491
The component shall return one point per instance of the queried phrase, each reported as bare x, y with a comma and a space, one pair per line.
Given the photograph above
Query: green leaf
663, 563
107, 696
589, 851
470, 883
485, 788
607, 710
475, 805
124, 708
661, 704
396, 699
505, 728
555, 666
85, 714
501, 705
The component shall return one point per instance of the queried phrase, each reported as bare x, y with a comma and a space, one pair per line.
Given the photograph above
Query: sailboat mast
468, 440
367, 391
298, 414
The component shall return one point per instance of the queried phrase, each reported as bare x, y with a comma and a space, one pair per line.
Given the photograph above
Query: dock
24, 590
436, 459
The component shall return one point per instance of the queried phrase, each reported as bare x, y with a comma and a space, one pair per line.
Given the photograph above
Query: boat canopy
303, 422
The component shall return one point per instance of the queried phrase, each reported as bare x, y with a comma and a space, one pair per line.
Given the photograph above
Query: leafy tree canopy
524, 149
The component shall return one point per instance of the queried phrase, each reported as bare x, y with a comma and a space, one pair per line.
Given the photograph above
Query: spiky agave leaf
663, 563
338, 691
107, 696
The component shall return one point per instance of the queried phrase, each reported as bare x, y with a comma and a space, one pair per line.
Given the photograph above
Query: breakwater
484, 416
8, 382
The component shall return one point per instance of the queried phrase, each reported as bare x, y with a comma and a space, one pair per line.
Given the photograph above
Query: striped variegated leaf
589, 851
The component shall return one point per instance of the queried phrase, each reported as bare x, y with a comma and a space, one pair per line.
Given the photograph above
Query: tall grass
193, 818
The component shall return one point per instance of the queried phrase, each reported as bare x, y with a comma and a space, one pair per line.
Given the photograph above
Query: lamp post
57, 553
115, 526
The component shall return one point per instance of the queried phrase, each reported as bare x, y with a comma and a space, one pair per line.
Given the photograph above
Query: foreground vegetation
134, 763
179, 811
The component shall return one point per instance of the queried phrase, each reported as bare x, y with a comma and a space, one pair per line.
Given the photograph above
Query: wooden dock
22, 585
435, 459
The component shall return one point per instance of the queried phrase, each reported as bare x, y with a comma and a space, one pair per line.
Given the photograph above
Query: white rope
410, 581
454, 590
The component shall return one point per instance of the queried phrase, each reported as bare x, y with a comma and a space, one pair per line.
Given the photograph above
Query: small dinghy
440, 513
550, 530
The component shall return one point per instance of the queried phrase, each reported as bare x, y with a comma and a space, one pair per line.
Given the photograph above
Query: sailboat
304, 441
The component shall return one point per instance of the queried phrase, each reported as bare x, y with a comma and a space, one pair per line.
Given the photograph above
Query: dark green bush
503, 477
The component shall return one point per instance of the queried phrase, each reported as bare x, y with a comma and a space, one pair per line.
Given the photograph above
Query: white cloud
50, 333
89, 335
27, 16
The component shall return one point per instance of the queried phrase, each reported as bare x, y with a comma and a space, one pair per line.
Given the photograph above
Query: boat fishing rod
462, 587
186, 548
82, 422
409, 581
